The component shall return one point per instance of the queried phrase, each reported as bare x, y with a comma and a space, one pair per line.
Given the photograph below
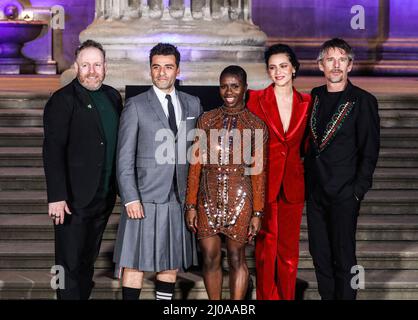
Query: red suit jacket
284, 165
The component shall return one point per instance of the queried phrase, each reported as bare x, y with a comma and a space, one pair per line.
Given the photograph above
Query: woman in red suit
285, 111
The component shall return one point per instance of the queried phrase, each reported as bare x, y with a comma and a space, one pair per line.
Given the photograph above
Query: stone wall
392, 21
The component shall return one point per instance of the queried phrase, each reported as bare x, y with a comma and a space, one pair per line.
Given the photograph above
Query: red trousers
277, 250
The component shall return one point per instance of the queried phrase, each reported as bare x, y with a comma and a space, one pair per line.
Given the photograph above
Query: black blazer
342, 162
74, 144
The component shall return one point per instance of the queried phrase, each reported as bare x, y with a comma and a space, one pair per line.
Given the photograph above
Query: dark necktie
171, 115
173, 127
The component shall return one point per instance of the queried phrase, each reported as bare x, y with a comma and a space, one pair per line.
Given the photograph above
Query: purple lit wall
78, 15
313, 18
318, 18
403, 17
390, 33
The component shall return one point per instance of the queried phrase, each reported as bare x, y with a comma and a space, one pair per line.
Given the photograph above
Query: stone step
32, 137
388, 255
399, 138
21, 136
21, 157
397, 102
379, 284
394, 178
27, 178
397, 158
32, 157
21, 117
386, 202
375, 255
38, 227
36, 100
37, 285
380, 228
398, 118
20, 99
22, 178
372, 255
20, 255
23, 100
389, 202
27, 202
28, 100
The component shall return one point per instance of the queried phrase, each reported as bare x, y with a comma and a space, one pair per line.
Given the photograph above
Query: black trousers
332, 244
77, 245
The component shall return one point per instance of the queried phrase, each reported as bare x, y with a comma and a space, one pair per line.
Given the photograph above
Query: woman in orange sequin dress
225, 194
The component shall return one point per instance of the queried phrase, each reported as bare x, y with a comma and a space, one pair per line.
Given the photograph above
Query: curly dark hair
165, 49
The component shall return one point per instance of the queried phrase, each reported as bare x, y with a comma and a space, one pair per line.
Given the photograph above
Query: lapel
299, 108
269, 106
156, 106
345, 105
184, 109
86, 102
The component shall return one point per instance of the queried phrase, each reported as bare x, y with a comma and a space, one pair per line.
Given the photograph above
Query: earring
294, 74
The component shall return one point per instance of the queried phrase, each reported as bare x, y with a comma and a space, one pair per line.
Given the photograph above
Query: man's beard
88, 83
336, 79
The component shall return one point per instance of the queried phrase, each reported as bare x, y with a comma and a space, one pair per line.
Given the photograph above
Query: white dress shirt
164, 102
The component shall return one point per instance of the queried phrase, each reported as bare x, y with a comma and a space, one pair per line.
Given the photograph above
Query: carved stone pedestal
210, 35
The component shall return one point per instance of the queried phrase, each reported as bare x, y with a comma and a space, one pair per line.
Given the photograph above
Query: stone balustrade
174, 9
210, 34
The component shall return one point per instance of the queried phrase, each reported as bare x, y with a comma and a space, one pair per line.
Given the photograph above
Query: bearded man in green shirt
80, 136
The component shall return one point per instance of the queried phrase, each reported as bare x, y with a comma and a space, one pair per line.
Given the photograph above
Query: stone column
187, 16
166, 10
247, 10
144, 9
208, 40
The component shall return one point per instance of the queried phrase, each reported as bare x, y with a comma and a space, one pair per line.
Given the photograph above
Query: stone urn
14, 34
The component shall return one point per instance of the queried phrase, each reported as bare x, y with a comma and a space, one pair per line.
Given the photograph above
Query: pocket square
189, 118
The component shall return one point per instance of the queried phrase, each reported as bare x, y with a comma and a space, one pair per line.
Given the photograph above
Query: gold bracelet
258, 214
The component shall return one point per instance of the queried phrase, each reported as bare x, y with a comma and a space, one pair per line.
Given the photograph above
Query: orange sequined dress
226, 179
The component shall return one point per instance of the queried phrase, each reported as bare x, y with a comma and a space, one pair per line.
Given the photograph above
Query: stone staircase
387, 229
